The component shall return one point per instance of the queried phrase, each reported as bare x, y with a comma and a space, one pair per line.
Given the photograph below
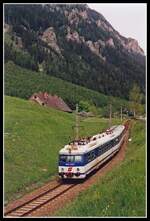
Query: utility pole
77, 123
110, 114
121, 113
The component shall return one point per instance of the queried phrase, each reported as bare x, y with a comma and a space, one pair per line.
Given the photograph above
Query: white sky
130, 20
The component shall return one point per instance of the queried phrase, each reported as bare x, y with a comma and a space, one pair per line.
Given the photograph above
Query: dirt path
50, 208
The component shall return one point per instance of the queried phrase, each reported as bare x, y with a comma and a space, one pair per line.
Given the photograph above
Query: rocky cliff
77, 44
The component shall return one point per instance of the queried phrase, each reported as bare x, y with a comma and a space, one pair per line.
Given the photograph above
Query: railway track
52, 194
38, 201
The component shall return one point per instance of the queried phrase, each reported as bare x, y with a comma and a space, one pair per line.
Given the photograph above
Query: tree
84, 106
93, 109
135, 97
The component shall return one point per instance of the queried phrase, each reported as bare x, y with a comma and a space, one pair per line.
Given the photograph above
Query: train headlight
78, 172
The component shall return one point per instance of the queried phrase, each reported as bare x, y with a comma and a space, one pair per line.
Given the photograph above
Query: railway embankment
121, 192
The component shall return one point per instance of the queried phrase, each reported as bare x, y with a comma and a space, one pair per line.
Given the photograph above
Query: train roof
87, 144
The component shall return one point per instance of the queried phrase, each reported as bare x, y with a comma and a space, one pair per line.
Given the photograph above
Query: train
80, 157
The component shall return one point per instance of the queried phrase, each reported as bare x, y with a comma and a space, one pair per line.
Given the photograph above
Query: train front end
71, 163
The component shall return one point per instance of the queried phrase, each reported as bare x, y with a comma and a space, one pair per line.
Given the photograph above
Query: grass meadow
121, 192
33, 136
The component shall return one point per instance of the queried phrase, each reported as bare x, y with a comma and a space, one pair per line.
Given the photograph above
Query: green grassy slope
20, 82
33, 136
122, 191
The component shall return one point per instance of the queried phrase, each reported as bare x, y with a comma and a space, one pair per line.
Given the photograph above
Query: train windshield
70, 158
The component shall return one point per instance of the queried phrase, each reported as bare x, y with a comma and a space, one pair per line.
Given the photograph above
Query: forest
77, 63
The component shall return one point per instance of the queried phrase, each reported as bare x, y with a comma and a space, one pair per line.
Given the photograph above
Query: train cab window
70, 158
78, 158
62, 158
66, 159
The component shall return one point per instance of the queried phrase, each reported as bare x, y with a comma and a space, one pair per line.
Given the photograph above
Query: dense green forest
21, 82
76, 63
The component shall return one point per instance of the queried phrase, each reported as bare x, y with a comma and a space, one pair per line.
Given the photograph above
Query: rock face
73, 36
103, 25
76, 16
49, 37
94, 47
71, 41
133, 46
7, 28
83, 14
19, 42
72, 17
110, 42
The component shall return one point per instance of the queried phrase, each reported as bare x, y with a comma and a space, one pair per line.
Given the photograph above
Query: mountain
74, 43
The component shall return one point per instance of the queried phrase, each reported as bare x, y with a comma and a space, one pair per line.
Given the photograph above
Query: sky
130, 20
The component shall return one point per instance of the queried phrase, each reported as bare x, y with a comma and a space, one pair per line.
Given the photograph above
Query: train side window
99, 151
91, 156
110, 145
103, 150
106, 147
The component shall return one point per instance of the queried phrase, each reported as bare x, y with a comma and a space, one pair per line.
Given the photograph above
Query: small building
45, 99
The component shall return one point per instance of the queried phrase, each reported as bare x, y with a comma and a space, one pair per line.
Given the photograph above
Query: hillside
120, 192
74, 43
33, 135
21, 82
